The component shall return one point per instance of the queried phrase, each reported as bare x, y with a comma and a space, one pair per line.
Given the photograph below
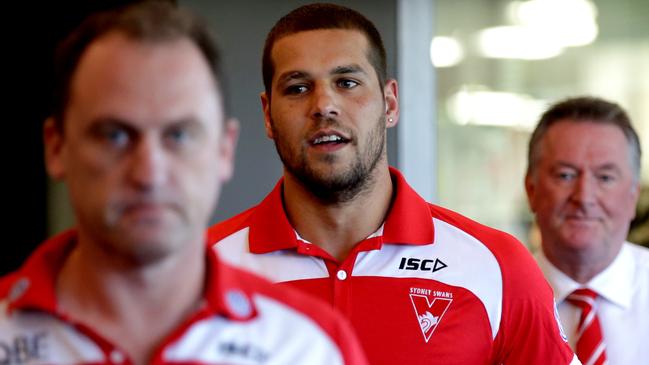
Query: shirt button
341, 275
116, 357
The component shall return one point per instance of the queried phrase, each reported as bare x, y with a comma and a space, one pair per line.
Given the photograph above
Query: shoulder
300, 318
512, 256
520, 275
291, 299
489, 236
640, 255
528, 329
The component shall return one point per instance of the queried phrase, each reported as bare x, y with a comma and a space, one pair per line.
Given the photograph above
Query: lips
148, 206
581, 220
582, 216
146, 210
329, 137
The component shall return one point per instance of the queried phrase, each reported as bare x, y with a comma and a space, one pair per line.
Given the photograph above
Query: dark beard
345, 187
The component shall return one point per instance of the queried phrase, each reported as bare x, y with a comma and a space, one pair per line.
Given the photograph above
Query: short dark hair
324, 16
585, 109
149, 21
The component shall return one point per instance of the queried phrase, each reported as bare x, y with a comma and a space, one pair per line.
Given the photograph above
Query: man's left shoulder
500, 243
641, 253
517, 266
640, 256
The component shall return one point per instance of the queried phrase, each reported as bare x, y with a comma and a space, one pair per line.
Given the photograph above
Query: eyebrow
103, 121
348, 69
605, 166
339, 70
292, 75
608, 166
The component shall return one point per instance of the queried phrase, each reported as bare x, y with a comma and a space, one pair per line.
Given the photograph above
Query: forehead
585, 143
142, 79
320, 50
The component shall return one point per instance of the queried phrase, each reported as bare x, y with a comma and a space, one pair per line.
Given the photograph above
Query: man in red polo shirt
139, 136
420, 284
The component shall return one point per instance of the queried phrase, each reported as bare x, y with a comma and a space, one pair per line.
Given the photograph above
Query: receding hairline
199, 61
537, 149
146, 21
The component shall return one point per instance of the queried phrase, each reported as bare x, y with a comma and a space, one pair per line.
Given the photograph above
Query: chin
146, 245
581, 240
150, 252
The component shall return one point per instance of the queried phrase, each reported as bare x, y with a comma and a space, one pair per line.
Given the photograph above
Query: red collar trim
34, 285
270, 229
409, 220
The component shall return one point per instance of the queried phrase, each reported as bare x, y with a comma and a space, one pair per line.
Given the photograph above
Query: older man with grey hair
583, 184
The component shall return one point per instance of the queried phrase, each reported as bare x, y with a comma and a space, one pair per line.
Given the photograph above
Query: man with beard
139, 136
420, 284
583, 182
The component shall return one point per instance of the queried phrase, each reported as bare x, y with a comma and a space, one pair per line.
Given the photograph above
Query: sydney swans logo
429, 314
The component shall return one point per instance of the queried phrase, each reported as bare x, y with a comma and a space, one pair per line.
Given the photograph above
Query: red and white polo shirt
244, 320
430, 286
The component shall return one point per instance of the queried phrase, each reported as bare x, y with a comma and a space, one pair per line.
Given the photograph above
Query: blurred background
474, 77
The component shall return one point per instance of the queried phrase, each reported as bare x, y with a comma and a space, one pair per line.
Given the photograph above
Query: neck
579, 264
133, 306
338, 227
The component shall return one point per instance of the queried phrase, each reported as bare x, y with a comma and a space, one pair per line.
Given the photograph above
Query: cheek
96, 172
198, 176
621, 204
203, 194
96, 165
287, 134
549, 197
287, 110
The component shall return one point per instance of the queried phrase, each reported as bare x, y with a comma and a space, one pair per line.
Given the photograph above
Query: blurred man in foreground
139, 136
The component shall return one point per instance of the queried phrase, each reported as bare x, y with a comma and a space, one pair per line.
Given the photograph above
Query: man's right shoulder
286, 306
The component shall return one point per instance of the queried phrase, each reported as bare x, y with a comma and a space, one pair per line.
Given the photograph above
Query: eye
606, 178
113, 135
564, 175
296, 89
177, 135
347, 83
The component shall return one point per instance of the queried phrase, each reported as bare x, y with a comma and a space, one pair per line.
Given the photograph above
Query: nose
324, 102
585, 190
147, 164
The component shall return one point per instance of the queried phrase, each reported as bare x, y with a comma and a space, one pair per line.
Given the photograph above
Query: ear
530, 190
391, 101
265, 104
227, 148
54, 149
636, 189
